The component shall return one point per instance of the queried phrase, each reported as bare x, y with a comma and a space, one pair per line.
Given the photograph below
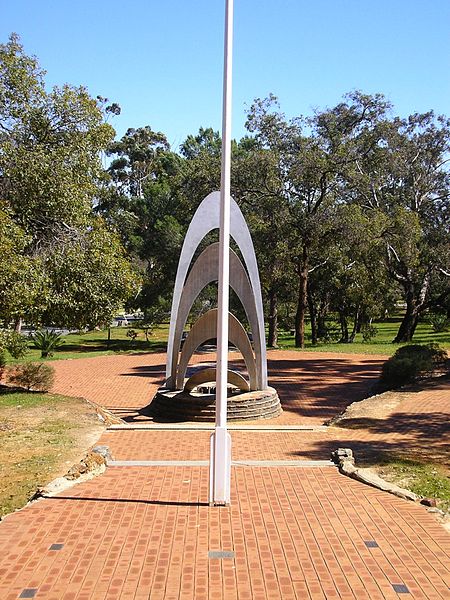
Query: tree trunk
313, 317
18, 325
322, 313
344, 327
415, 304
356, 324
272, 340
407, 326
302, 301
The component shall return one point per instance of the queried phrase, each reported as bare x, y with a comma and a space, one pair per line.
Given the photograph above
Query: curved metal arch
205, 329
204, 271
205, 219
209, 374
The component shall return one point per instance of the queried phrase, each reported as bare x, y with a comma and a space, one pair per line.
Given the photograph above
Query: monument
193, 398
226, 392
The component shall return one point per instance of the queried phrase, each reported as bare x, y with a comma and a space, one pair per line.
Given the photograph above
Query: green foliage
91, 278
22, 282
33, 376
47, 341
368, 332
329, 333
16, 344
439, 322
51, 174
153, 316
410, 362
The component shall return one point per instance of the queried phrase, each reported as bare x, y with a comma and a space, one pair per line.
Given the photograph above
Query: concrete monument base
180, 405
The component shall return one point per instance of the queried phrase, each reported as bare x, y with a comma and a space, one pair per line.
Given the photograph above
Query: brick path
313, 387
296, 532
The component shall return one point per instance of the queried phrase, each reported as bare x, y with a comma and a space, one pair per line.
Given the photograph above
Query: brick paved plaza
292, 530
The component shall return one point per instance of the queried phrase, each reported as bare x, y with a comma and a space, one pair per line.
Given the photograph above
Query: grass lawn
41, 437
380, 344
96, 343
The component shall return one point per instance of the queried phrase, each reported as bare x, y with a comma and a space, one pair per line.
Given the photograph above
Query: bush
33, 376
329, 334
438, 322
14, 342
132, 334
47, 341
17, 345
410, 362
368, 332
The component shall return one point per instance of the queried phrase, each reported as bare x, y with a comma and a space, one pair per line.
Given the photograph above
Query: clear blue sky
162, 60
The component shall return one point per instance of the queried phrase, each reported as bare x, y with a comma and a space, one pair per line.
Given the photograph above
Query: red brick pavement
297, 533
145, 532
312, 387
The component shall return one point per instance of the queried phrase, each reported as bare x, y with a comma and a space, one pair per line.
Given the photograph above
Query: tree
50, 177
138, 159
91, 277
257, 187
311, 168
406, 178
22, 283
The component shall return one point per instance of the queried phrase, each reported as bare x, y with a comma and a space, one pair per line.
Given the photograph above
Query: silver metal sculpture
206, 328
205, 270
209, 374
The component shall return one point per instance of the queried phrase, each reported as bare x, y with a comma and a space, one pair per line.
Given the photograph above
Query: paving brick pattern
299, 533
312, 387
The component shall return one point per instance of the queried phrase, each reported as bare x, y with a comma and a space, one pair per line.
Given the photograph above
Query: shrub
132, 334
368, 332
438, 322
410, 362
17, 345
426, 352
329, 334
14, 342
47, 341
33, 376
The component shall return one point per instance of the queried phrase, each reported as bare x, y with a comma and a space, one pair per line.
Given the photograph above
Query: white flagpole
220, 463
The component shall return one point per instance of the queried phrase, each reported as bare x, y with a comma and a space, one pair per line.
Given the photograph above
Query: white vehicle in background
123, 320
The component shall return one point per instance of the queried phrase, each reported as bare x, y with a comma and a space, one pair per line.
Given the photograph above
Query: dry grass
41, 436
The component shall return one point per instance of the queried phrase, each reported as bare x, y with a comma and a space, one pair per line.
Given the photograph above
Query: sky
162, 60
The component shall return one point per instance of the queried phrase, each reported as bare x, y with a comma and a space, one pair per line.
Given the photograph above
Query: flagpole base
220, 467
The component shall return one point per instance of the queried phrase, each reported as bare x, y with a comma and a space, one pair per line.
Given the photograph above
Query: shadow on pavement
127, 500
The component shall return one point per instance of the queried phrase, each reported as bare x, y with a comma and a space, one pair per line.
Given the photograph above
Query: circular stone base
178, 405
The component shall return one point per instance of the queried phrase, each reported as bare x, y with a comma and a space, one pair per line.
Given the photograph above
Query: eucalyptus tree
143, 202
258, 189
406, 178
353, 281
312, 157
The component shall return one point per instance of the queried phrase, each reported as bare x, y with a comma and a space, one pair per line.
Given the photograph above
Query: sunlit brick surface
296, 533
